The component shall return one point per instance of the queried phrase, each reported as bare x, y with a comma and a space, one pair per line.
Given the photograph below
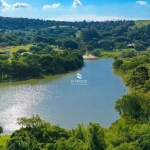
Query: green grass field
140, 23
110, 54
26, 47
15, 48
3, 140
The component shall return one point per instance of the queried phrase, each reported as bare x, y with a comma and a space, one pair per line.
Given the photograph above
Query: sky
77, 10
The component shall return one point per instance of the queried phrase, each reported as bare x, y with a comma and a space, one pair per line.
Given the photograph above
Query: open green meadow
140, 23
110, 54
3, 140
15, 48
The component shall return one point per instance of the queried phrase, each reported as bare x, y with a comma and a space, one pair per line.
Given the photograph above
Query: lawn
3, 140
110, 54
15, 48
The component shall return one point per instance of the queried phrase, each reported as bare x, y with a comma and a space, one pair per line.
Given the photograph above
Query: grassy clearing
110, 54
140, 23
3, 140
15, 48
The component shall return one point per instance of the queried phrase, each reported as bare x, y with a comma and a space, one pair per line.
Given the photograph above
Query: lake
65, 99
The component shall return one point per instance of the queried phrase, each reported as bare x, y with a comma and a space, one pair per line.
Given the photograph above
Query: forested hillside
108, 35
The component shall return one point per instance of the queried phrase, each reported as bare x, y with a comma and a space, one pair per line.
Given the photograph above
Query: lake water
58, 100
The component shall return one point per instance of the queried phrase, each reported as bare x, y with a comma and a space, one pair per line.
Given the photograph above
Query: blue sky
76, 10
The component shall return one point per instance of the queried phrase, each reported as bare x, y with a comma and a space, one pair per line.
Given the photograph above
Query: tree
3, 57
4, 69
51, 41
1, 129
139, 76
96, 137
35, 48
33, 122
147, 85
19, 70
42, 45
117, 63
89, 48
39, 39
21, 51
47, 63
96, 52
144, 141
129, 53
48, 49
129, 106
88, 34
70, 44
140, 47
59, 43
128, 146
105, 44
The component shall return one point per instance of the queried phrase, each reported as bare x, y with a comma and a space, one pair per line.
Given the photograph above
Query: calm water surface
56, 100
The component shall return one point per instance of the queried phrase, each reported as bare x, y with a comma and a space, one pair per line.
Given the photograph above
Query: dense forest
73, 39
39, 62
108, 35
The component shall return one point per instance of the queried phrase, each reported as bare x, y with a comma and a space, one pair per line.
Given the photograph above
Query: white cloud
51, 6
4, 5
141, 2
77, 3
20, 5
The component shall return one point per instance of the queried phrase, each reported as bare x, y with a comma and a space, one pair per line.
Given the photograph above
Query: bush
35, 48
96, 52
117, 63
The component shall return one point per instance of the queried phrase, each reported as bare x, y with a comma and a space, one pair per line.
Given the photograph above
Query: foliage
1, 130
96, 52
39, 134
140, 47
3, 57
128, 54
107, 35
117, 63
42, 61
70, 44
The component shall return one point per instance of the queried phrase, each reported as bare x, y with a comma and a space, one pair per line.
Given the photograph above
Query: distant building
131, 45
